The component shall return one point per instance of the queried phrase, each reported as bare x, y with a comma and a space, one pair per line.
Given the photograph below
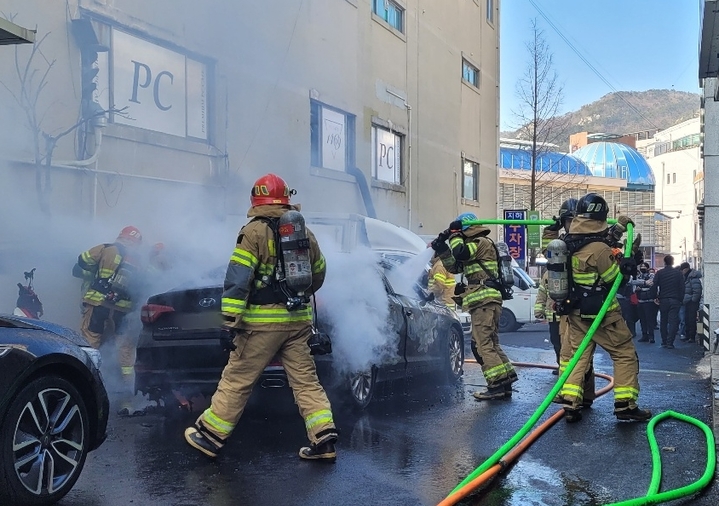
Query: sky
635, 45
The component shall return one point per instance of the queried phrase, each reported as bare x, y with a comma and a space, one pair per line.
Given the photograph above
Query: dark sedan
53, 409
178, 348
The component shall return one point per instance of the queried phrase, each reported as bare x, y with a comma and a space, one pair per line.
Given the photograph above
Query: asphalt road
415, 444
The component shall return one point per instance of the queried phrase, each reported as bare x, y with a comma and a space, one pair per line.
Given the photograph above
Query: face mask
644, 270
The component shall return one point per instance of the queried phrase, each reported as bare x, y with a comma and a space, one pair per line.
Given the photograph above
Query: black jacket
668, 284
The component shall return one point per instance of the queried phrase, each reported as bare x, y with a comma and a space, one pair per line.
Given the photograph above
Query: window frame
385, 16
316, 136
475, 176
489, 6
466, 64
398, 171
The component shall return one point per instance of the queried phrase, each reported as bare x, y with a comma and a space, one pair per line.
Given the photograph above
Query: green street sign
534, 238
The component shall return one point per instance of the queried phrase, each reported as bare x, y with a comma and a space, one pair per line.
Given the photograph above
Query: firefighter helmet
130, 235
270, 189
568, 210
466, 217
593, 206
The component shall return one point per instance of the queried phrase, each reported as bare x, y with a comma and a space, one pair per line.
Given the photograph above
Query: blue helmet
466, 217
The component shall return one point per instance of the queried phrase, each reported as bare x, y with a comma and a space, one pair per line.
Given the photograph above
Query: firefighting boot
202, 439
493, 393
572, 415
623, 412
322, 450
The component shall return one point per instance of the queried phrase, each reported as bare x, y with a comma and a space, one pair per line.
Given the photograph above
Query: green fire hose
653, 495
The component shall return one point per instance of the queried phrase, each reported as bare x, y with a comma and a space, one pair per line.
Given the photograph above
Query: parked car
53, 409
178, 347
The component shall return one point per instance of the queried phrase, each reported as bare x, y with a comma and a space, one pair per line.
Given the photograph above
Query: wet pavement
415, 443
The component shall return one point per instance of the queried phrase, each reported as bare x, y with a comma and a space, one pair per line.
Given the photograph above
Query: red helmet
270, 189
131, 235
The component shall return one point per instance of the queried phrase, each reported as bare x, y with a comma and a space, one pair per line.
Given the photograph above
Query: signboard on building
386, 155
162, 90
516, 236
534, 239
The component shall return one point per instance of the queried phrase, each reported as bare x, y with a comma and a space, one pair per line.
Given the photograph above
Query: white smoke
353, 301
405, 277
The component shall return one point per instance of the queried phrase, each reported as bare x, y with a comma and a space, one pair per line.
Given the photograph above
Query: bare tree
540, 97
32, 80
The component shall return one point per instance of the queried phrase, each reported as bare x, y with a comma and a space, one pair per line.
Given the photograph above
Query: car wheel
507, 321
44, 440
362, 386
455, 354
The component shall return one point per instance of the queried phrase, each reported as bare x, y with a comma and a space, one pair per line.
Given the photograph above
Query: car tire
362, 386
507, 321
454, 361
44, 440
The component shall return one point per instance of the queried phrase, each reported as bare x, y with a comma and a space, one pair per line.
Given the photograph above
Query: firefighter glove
460, 288
227, 337
623, 221
439, 244
628, 266
556, 226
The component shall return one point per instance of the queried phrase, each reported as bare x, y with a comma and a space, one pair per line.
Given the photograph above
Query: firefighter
472, 253
441, 282
593, 271
261, 323
109, 273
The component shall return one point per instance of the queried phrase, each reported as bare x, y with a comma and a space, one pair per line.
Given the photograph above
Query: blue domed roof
613, 159
561, 163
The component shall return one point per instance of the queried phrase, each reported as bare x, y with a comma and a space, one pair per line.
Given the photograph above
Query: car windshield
522, 279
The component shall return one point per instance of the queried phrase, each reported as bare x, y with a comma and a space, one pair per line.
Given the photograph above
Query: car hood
56, 329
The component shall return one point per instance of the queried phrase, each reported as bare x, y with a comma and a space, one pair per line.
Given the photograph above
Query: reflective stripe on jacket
466, 250
441, 283
104, 260
252, 267
595, 265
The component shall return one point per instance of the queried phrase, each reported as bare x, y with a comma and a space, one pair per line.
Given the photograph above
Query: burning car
179, 350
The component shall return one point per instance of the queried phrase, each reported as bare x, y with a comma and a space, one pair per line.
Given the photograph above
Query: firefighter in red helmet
109, 274
262, 321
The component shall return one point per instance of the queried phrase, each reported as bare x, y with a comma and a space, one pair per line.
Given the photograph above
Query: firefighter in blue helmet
472, 253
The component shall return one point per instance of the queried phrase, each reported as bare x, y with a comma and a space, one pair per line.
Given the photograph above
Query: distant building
674, 155
615, 171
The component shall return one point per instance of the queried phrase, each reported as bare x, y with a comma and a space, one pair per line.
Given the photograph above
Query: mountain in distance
611, 114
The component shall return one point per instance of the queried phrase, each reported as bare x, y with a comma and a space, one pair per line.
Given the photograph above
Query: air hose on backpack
653, 496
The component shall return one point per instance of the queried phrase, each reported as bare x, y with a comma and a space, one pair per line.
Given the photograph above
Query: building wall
266, 61
675, 159
710, 238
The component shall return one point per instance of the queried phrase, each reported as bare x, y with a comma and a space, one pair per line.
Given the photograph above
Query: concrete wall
710, 238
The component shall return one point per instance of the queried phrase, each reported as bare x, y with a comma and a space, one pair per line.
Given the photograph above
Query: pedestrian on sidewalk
692, 296
668, 294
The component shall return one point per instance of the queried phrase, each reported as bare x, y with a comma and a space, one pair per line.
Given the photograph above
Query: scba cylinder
295, 246
557, 270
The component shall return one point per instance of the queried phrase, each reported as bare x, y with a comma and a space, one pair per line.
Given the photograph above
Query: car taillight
151, 312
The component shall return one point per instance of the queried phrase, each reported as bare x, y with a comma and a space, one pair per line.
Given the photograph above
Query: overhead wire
592, 67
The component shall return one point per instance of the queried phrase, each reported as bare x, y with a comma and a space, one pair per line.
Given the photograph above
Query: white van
517, 311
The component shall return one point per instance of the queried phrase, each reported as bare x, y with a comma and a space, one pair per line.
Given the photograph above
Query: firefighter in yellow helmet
472, 253
109, 274
594, 269
441, 282
263, 322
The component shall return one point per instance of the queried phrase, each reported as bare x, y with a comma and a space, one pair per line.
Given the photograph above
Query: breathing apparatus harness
504, 280
290, 281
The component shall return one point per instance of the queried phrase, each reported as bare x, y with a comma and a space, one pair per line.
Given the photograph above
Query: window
332, 137
490, 11
386, 155
391, 12
470, 180
470, 73
674, 177
669, 178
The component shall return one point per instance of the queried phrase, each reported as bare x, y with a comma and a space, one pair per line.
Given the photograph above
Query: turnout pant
255, 349
690, 320
496, 366
614, 336
98, 323
669, 319
565, 355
